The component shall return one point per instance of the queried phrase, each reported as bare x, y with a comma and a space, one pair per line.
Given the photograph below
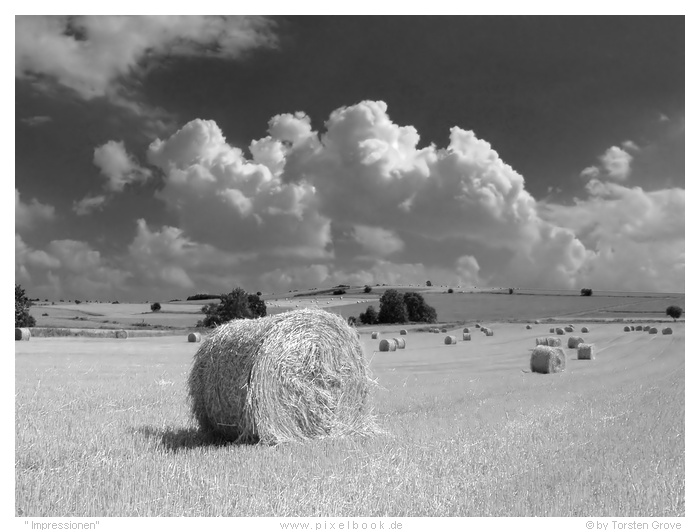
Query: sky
159, 157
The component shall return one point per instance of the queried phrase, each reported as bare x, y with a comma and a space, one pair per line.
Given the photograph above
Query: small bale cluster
289, 377
626, 329
122, 334
387, 345
194, 337
466, 337
553, 341
375, 335
584, 329
546, 359
400, 343
450, 340
22, 334
403, 332
559, 330
574, 341
666, 330
569, 329
586, 351
653, 330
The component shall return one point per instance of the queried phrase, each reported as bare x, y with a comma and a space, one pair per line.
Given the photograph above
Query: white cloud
93, 55
616, 163
32, 121
377, 241
88, 204
590, 172
28, 215
630, 145
118, 166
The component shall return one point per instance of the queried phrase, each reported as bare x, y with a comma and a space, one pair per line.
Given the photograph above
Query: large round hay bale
400, 343
666, 330
121, 334
638, 328
194, 337
403, 332
646, 328
22, 334
569, 329
528, 326
574, 341
375, 335
466, 337
450, 340
560, 330
288, 377
541, 340
586, 351
551, 330
553, 341
626, 329
387, 345
546, 359
584, 329
466, 330
653, 330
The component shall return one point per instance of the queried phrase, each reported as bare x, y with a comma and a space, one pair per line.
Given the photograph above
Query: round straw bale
574, 341
560, 330
121, 334
569, 328
537, 322
666, 330
584, 329
450, 340
553, 341
489, 332
287, 377
646, 327
528, 326
375, 335
465, 330
571, 325
653, 330
194, 337
400, 343
436, 330
586, 351
626, 329
466, 337
638, 328
403, 332
546, 359
541, 340
387, 345
22, 334
443, 330
477, 326
551, 330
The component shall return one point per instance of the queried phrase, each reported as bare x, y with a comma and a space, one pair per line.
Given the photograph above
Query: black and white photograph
350, 269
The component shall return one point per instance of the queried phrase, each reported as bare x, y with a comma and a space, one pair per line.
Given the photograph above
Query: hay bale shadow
175, 440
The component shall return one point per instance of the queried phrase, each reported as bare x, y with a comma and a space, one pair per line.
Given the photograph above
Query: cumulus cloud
377, 241
590, 172
616, 163
28, 215
88, 204
118, 166
93, 55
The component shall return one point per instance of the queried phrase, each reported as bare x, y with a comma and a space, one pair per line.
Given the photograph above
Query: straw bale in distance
375, 335
537, 322
528, 326
646, 328
560, 330
436, 330
551, 330
194, 337
574, 341
466, 337
584, 329
477, 326
626, 329
121, 334
403, 332
443, 330
466, 330
667, 330
489, 332
22, 334
288, 377
450, 340
553, 341
586, 351
542, 340
653, 330
569, 328
400, 343
546, 359
387, 345
639, 328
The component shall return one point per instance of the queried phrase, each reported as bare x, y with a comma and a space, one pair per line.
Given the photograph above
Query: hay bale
646, 327
489, 332
121, 334
553, 341
638, 328
559, 330
584, 329
627, 329
571, 325
542, 340
194, 337
22, 334
574, 341
400, 343
666, 330
466, 330
403, 332
443, 330
551, 330
569, 329
477, 326
586, 351
436, 330
546, 359
450, 340
537, 322
528, 326
466, 337
375, 335
387, 345
653, 330
287, 377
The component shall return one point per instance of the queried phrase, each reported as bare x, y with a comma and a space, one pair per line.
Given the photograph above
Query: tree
233, 306
586, 291
428, 283
450, 291
368, 289
392, 308
418, 310
257, 306
368, 317
674, 311
155, 307
22, 304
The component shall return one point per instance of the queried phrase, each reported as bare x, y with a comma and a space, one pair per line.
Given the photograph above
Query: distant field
102, 428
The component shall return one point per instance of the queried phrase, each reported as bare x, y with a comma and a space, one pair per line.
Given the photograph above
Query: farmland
103, 429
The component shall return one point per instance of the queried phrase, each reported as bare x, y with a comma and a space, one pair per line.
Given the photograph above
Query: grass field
103, 429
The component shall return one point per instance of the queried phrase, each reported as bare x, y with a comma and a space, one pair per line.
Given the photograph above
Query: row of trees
395, 307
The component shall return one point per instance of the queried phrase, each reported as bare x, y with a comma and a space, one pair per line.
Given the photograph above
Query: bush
352, 321
392, 308
586, 291
674, 311
257, 305
155, 307
428, 283
235, 305
258, 294
368, 289
77, 301
368, 317
418, 310
22, 304
510, 291
450, 291
338, 292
